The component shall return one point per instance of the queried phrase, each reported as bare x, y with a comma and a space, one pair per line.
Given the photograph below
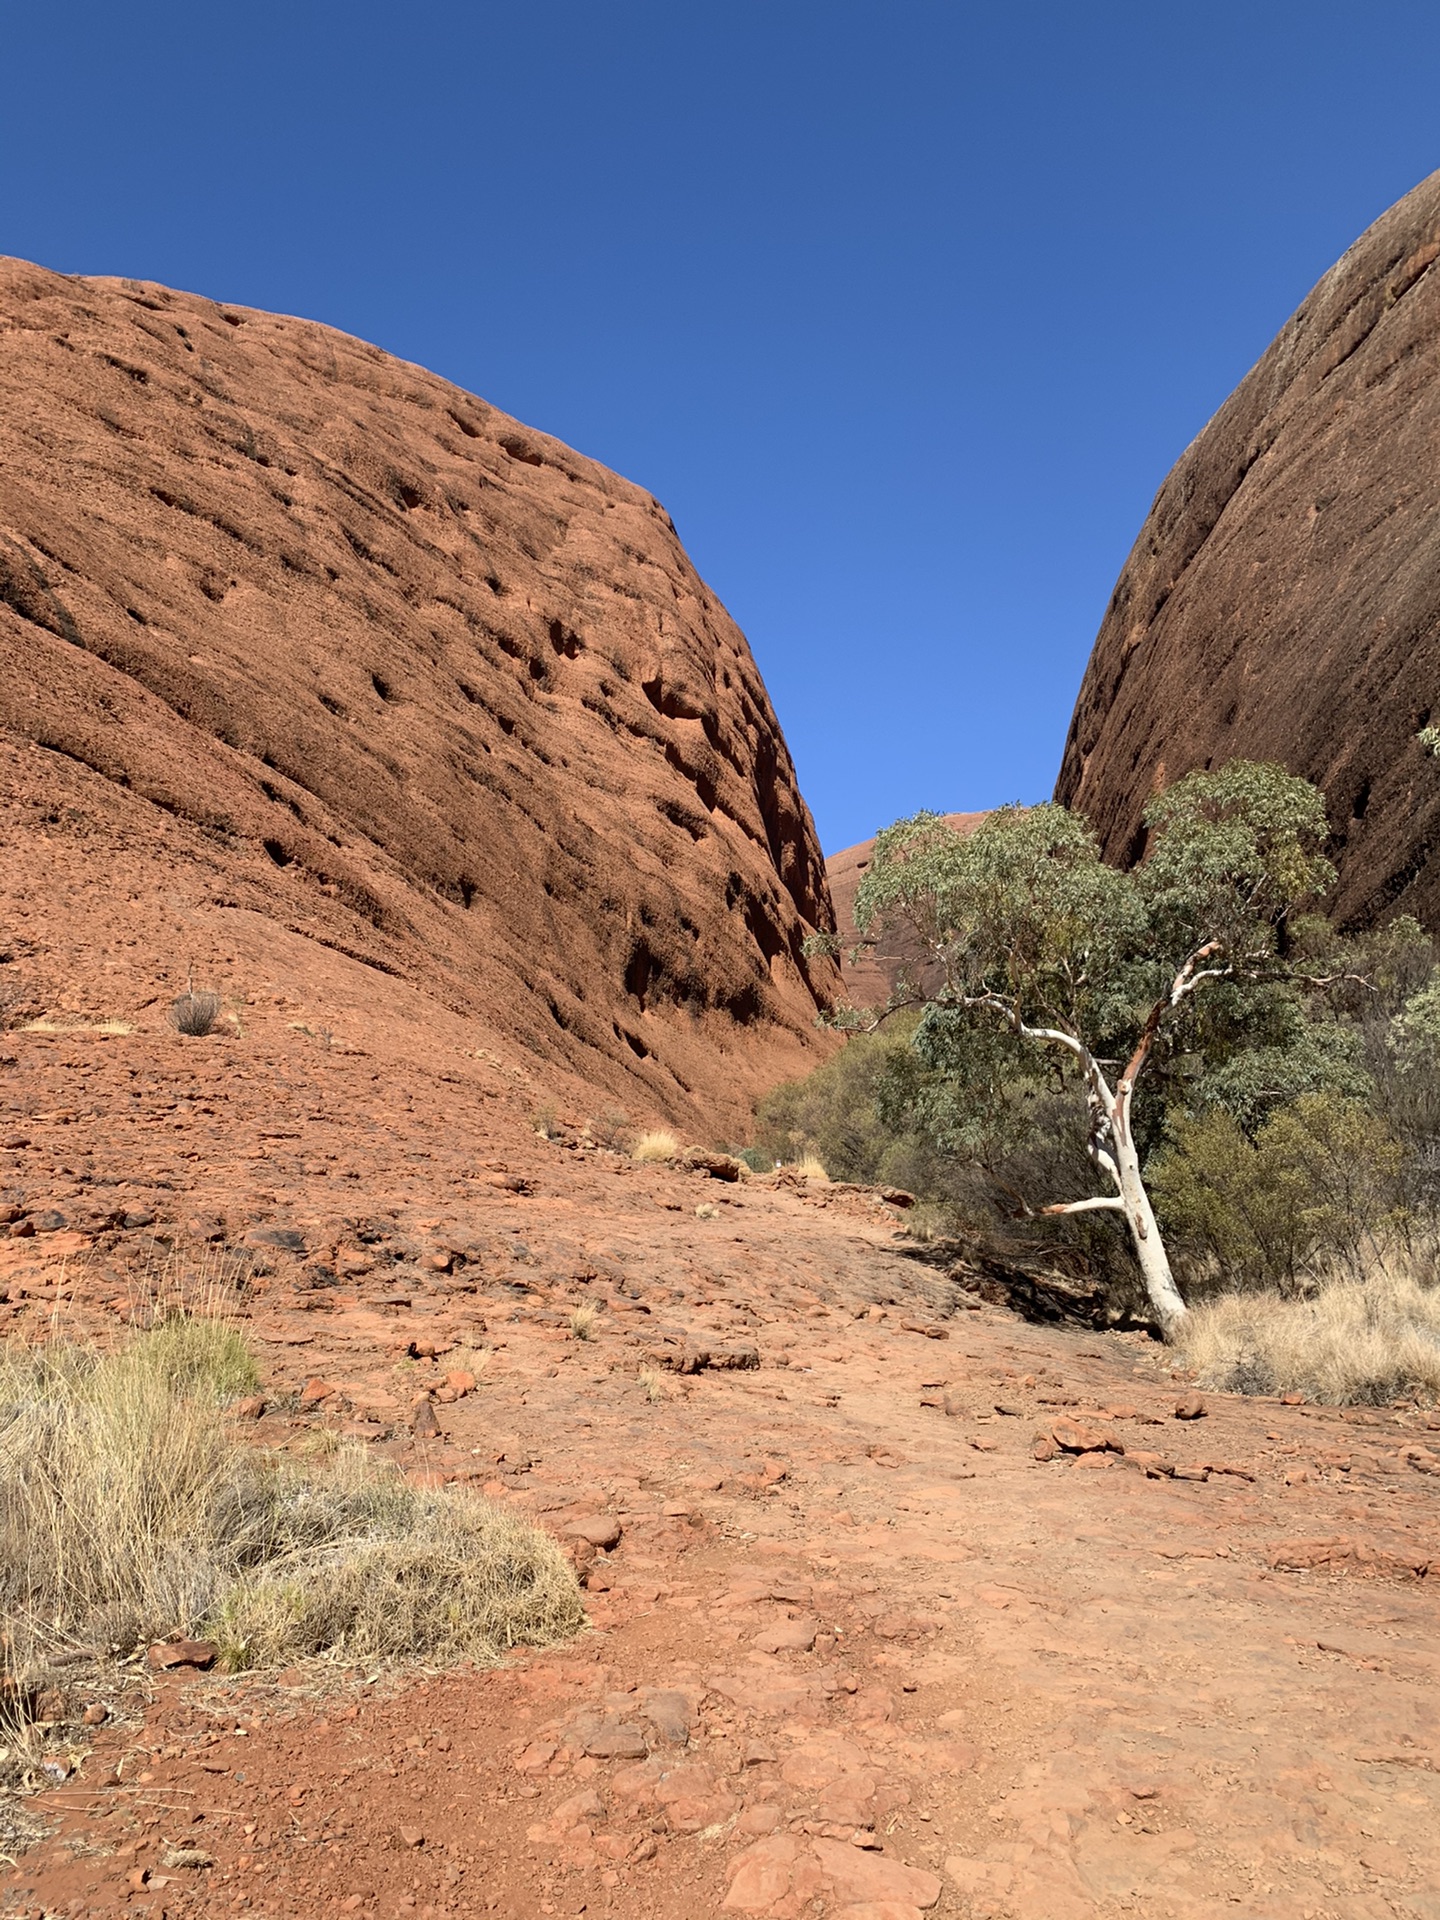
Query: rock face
870, 978
342, 646
1283, 599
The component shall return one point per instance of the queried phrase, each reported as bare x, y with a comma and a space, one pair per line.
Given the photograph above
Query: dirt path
857, 1651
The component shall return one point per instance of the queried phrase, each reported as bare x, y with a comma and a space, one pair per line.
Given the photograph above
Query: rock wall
1283, 599
341, 645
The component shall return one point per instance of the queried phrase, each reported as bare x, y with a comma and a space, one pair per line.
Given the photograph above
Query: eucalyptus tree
1031, 941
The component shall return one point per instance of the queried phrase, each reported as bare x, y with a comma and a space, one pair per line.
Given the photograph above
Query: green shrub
1318, 1186
835, 1112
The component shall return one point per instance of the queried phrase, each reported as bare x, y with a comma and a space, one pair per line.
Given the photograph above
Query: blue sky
903, 309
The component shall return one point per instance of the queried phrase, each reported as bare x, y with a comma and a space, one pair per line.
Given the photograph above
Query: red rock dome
295, 635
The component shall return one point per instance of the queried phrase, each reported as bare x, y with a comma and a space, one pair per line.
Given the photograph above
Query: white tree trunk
1164, 1295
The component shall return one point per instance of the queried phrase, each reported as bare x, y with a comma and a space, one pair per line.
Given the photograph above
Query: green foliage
1318, 1184
1289, 1077
755, 1158
835, 1113
1232, 855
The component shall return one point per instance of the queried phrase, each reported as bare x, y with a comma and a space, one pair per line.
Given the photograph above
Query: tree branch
1102, 1203
1185, 982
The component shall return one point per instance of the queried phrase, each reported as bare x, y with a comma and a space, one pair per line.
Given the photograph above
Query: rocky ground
929, 1611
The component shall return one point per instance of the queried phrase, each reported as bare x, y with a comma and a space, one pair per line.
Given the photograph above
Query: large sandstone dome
296, 636
1283, 599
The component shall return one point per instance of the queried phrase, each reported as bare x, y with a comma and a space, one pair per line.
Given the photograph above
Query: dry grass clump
367, 1567
582, 1321
811, 1167
112, 1469
1354, 1342
131, 1509
658, 1145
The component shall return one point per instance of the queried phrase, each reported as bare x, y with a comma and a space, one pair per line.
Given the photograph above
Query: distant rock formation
870, 978
1283, 599
411, 680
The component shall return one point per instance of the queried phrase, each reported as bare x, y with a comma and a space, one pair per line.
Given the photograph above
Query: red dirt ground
857, 1652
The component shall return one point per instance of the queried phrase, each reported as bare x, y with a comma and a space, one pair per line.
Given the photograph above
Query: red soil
857, 1652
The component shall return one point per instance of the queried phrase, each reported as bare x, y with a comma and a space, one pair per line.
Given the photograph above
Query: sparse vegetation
1356, 1340
651, 1385
660, 1144
196, 1014
582, 1322
611, 1128
811, 1167
130, 1509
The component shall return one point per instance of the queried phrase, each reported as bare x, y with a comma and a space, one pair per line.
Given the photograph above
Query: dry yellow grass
1355, 1343
811, 1167
130, 1508
659, 1145
77, 1026
365, 1566
582, 1322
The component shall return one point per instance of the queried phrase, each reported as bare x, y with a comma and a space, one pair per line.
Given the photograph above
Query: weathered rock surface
1283, 599
293, 629
871, 976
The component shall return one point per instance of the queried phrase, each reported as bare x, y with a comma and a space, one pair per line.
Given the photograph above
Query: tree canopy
1047, 969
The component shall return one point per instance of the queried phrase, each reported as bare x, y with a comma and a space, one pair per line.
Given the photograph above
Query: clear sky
903, 308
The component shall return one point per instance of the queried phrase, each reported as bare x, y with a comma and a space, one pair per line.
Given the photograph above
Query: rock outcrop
1283, 599
290, 628
870, 977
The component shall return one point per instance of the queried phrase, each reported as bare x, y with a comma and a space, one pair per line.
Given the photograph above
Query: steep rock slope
327, 640
871, 976
1283, 598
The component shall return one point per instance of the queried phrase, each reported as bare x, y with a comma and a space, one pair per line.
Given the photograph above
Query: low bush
130, 1509
1355, 1341
611, 1128
1317, 1186
195, 1014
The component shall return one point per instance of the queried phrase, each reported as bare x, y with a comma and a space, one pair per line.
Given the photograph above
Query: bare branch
1102, 1203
